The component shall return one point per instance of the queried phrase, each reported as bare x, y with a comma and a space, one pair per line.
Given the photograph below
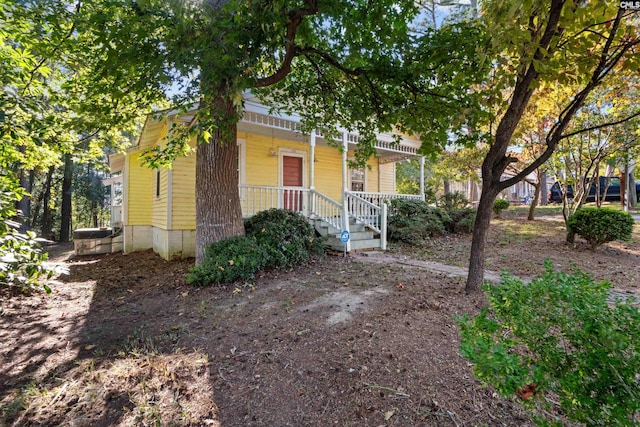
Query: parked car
613, 191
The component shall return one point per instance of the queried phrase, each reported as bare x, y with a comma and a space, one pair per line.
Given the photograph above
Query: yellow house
278, 166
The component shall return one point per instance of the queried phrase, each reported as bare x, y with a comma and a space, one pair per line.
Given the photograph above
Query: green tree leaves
560, 336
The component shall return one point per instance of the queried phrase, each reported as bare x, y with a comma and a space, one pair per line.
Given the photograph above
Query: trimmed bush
229, 260
452, 201
288, 236
462, 220
499, 205
274, 238
559, 339
601, 225
411, 221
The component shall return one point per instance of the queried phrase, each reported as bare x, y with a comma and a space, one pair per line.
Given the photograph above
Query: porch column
312, 171
422, 178
312, 166
345, 184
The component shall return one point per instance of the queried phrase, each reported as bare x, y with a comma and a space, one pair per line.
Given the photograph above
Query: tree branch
601, 126
496, 161
291, 51
605, 65
40, 63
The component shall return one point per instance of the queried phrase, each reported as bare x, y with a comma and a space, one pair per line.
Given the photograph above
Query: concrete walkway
379, 257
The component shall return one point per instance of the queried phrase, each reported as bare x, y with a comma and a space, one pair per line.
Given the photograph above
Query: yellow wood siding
261, 167
183, 214
372, 176
329, 172
388, 178
140, 192
159, 212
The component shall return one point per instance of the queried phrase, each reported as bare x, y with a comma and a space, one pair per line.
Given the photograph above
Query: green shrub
462, 220
412, 221
288, 236
499, 205
558, 339
229, 260
22, 261
452, 201
275, 238
601, 225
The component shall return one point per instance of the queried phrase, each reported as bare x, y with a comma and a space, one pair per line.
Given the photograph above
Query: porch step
356, 235
360, 237
337, 245
327, 230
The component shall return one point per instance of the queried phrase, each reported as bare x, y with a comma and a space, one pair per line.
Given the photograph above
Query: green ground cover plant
559, 339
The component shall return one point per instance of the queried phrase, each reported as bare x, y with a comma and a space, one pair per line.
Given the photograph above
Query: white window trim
242, 161
365, 178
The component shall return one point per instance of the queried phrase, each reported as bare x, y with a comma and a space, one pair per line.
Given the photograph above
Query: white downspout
345, 202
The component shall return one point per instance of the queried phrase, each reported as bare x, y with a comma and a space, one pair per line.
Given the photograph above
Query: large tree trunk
218, 211
543, 189
24, 204
65, 213
46, 225
534, 202
480, 230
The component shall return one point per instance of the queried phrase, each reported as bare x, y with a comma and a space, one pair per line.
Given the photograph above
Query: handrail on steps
326, 209
369, 214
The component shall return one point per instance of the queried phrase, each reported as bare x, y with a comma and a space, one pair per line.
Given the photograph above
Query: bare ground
123, 340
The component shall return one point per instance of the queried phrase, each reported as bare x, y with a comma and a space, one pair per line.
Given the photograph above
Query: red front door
292, 177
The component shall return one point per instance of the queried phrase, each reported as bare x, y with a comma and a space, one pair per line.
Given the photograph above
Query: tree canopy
577, 45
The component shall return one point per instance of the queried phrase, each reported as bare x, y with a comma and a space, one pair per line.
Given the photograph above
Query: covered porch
357, 211
347, 204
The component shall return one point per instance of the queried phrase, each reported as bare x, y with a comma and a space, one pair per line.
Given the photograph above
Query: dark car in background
613, 191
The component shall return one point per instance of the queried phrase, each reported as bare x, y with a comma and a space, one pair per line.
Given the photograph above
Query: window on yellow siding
357, 179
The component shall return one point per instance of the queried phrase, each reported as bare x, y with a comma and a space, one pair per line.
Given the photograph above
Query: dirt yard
123, 340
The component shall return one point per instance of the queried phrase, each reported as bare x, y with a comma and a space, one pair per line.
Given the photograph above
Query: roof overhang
262, 120
116, 162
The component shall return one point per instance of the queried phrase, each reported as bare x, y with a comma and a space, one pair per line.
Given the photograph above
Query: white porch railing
369, 214
326, 209
379, 198
366, 208
256, 198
